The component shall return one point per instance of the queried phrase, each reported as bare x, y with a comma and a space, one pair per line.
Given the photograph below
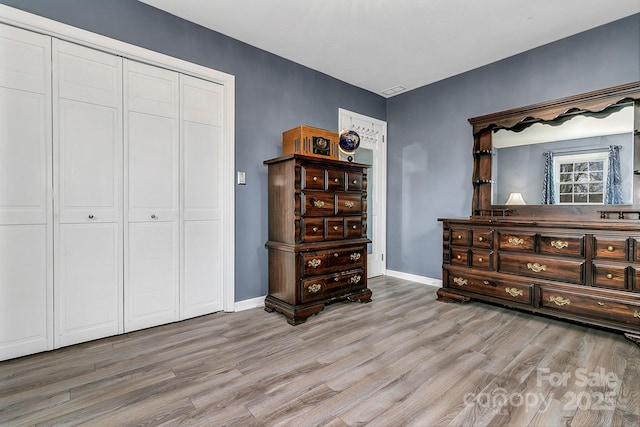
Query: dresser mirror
552, 158
579, 145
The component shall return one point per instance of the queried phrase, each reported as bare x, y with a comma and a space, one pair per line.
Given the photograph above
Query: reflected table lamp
515, 199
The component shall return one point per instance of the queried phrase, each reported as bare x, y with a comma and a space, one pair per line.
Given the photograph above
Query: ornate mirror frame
592, 102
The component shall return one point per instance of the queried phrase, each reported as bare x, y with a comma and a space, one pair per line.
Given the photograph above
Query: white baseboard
249, 303
415, 278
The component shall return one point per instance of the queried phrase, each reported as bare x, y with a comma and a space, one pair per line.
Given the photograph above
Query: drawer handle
315, 288
480, 239
355, 181
535, 267
355, 279
636, 313
459, 236
336, 180
335, 227
460, 281
514, 292
610, 248
315, 229
348, 204
355, 256
559, 244
459, 257
318, 203
609, 276
355, 227
315, 178
480, 260
336, 254
516, 241
600, 303
314, 263
90, 216
559, 300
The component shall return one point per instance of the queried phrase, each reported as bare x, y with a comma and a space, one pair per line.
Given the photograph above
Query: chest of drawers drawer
322, 287
497, 288
566, 270
321, 262
600, 305
348, 203
313, 178
562, 245
318, 203
612, 276
481, 258
610, 248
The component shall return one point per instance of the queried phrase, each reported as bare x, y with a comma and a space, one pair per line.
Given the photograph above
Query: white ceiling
379, 45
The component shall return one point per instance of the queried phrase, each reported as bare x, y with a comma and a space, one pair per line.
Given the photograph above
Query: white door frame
39, 24
373, 136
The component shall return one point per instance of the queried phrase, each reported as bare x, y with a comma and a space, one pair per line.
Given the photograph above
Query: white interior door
26, 226
372, 151
88, 214
152, 154
201, 197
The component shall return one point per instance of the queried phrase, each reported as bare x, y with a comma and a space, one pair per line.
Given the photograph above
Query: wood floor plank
402, 359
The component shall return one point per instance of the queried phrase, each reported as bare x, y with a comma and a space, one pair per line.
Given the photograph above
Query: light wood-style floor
403, 359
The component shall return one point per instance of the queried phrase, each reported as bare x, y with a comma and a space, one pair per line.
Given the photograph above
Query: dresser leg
295, 314
364, 296
446, 296
633, 337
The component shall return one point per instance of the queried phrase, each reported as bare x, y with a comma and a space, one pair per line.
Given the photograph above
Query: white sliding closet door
26, 228
201, 196
88, 185
152, 156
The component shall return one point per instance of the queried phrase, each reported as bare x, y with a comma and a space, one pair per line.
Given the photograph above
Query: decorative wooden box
310, 142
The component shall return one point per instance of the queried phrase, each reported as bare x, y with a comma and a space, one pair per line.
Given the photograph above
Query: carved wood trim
594, 101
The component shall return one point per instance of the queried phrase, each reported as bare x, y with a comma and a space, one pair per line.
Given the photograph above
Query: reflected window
581, 178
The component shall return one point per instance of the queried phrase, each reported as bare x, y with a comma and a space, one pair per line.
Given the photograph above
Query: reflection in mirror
568, 162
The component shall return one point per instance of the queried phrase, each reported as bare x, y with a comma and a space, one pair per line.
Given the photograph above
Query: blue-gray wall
430, 139
272, 95
429, 152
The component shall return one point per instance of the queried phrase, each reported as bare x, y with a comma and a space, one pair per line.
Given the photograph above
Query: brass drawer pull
480, 239
459, 236
600, 303
610, 248
559, 300
559, 244
318, 203
355, 227
355, 181
335, 227
514, 292
536, 268
515, 241
460, 281
314, 229
609, 276
355, 256
348, 204
315, 178
336, 254
315, 288
355, 279
336, 180
314, 263
459, 257
636, 313
480, 260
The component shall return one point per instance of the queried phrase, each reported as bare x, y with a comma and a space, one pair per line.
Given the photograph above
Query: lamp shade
515, 199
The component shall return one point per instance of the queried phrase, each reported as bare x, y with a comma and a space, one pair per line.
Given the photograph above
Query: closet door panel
88, 289
26, 217
201, 197
152, 159
88, 297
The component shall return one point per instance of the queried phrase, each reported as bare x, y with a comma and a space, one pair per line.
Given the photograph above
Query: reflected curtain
613, 195
548, 181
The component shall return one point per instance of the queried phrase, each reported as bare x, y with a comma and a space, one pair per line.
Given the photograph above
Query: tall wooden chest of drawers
317, 234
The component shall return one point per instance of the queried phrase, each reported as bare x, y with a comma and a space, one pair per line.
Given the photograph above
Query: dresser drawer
335, 180
610, 248
354, 181
591, 305
313, 229
322, 262
609, 276
460, 236
562, 245
563, 270
318, 203
481, 258
459, 256
507, 290
321, 287
482, 238
348, 203
516, 241
353, 227
313, 178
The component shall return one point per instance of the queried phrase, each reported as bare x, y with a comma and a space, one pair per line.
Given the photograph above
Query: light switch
242, 178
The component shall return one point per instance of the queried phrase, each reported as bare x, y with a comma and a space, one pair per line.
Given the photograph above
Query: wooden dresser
317, 234
574, 262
